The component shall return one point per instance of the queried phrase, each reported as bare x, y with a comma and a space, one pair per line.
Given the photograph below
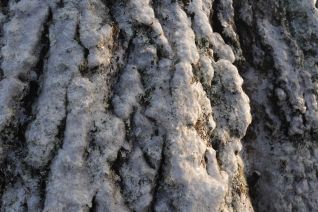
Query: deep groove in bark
84, 70
4, 6
93, 208
216, 24
159, 178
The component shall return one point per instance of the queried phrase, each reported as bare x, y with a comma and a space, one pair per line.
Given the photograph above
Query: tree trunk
140, 105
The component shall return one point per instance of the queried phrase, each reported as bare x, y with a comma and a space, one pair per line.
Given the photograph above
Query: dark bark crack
159, 178
93, 208
83, 68
215, 21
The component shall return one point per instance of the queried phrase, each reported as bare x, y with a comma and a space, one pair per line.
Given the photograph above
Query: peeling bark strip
140, 105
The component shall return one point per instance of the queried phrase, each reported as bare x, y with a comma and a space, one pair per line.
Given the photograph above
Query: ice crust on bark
140, 105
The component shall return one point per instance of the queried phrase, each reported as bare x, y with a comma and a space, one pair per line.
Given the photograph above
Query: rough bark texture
140, 105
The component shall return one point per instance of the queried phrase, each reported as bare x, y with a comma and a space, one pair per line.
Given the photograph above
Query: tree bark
163, 105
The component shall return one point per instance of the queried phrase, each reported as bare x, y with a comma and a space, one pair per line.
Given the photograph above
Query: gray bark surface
158, 105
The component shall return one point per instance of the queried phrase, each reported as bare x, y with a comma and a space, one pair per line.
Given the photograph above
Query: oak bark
158, 105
